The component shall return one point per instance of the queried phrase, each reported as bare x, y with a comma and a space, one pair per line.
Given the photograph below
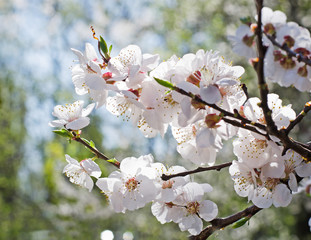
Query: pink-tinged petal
91, 168
210, 94
86, 111
78, 124
208, 210
282, 196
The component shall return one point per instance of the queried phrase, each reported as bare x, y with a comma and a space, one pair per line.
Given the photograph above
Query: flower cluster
200, 98
287, 44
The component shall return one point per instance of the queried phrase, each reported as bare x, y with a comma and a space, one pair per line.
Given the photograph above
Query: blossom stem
219, 223
94, 150
199, 169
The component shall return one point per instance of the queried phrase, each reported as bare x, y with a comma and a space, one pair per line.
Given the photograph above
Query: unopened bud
269, 29
248, 40
287, 63
289, 41
302, 71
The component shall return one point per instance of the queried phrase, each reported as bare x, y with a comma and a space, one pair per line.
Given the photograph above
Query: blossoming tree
200, 98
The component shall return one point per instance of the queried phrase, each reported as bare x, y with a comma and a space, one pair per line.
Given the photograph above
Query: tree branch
199, 169
299, 118
94, 150
219, 223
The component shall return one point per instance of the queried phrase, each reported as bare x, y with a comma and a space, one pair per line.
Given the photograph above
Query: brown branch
250, 128
225, 113
290, 53
94, 150
199, 169
219, 223
263, 86
299, 118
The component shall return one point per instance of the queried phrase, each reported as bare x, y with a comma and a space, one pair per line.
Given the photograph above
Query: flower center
193, 207
131, 184
167, 184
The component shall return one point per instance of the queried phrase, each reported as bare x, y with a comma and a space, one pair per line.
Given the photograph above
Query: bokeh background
36, 201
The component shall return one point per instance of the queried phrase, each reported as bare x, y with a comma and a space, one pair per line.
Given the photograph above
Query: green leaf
63, 132
104, 47
113, 160
246, 20
241, 222
110, 48
165, 83
92, 144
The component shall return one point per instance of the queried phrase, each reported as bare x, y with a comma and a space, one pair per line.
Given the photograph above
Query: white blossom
72, 116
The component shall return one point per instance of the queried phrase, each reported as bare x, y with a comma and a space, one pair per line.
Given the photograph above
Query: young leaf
103, 46
63, 132
241, 222
165, 83
110, 48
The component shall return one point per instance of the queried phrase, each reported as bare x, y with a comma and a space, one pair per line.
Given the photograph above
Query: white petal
78, 124
91, 168
210, 94
208, 210
282, 196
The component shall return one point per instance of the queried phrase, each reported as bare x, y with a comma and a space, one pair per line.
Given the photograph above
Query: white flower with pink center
194, 208
132, 66
169, 189
88, 76
72, 116
244, 42
206, 73
131, 187
80, 173
281, 115
254, 149
287, 71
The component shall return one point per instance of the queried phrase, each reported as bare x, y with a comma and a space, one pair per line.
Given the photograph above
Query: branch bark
219, 223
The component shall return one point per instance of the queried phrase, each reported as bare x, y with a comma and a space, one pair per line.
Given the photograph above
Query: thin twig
219, 223
299, 118
94, 150
225, 113
199, 169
